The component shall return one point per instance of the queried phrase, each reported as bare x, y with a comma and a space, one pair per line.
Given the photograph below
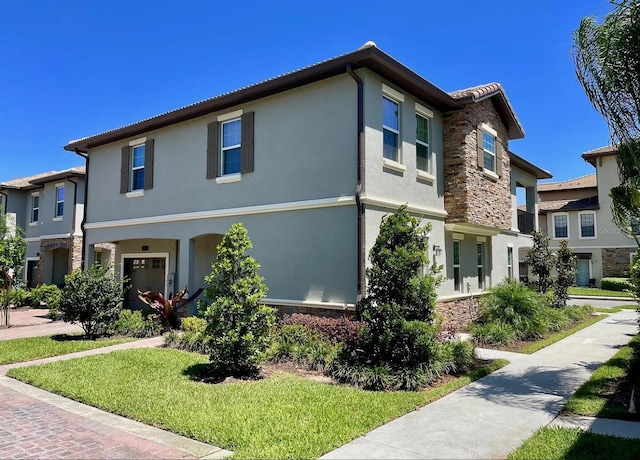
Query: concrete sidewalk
37, 424
494, 415
35, 322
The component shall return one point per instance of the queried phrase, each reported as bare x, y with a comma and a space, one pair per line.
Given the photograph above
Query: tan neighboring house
49, 207
579, 211
310, 162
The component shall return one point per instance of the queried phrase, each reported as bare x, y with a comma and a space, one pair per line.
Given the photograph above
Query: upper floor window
489, 147
489, 151
35, 208
231, 145
59, 211
560, 226
390, 128
587, 224
137, 166
423, 158
230, 151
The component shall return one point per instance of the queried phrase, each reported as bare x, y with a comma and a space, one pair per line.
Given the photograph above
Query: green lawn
20, 350
591, 398
597, 292
281, 417
615, 309
557, 336
573, 443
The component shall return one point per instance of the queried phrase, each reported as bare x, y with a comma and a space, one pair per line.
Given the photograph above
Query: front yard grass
284, 416
608, 392
573, 443
597, 292
21, 350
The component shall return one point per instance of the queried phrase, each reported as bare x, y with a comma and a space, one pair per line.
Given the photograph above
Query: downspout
84, 210
359, 186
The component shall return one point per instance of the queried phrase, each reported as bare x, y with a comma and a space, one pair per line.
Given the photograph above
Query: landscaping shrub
92, 298
512, 303
616, 284
192, 337
337, 330
51, 295
566, 268
299, 344
540, 260
493, 333
238, 327
136, 324
19, 297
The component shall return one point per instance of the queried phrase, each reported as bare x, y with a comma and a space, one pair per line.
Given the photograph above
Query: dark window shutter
479, 133
498, 157
246, 164
125, 166
213, 130
148, 164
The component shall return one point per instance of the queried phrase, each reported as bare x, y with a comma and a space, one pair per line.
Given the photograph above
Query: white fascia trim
392, 93
390, 164
231, 212
48, 237
472, 229
230, 115
411, 207
140, 140
309, 303
603, 247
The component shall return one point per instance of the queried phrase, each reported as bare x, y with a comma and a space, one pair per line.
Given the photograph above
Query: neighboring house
579, 211
310, 162
49, 208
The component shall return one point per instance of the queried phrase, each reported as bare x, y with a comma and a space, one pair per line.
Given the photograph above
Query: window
136, 169
390, 128
231, 145
587, 225
422, 143
489, 151
560, 226
59, 211
457, 281
489, 147
35, 208
480, 252
510, 263
230, 150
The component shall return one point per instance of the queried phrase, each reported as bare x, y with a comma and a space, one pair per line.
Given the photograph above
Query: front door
582, 277
145, 274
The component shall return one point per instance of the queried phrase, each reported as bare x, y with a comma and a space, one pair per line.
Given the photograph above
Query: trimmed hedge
616, 284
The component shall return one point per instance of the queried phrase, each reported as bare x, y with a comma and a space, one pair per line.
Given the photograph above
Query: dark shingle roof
29, 182
582, 204
588, 181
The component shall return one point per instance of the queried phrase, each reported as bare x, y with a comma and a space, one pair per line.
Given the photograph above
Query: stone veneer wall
49, 245
75, 253
470, 196
458, 313
616, 261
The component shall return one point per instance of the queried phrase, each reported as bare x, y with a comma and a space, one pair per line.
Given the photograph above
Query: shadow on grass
206, 373
595, 446
71, 337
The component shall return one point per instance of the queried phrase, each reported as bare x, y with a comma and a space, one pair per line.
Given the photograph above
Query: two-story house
310, 162
49, 207
579, 211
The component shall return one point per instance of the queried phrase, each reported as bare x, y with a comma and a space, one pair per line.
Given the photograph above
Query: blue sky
70, 68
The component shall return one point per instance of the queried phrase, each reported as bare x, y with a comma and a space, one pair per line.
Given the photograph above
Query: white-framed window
480, 253
587, 224
136, 178
510, 263
560, 226
59, 209
390, 128
457, 275
35, 208
489, 148
423, 155
231, 146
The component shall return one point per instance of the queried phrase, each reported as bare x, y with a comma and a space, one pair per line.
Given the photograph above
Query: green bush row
615, 284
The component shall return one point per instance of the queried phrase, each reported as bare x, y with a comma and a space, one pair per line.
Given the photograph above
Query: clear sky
71, 68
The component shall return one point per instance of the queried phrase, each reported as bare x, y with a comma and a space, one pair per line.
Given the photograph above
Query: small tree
540, 260
566, 274
239, 328
92, 298
13, 249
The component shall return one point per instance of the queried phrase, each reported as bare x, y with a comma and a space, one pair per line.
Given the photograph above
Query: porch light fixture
437, 250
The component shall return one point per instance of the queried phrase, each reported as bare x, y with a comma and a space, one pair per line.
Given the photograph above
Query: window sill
394, 165
229, 178
135, 194
33, 224
490, 174
424, 175
587, 237
57, 219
